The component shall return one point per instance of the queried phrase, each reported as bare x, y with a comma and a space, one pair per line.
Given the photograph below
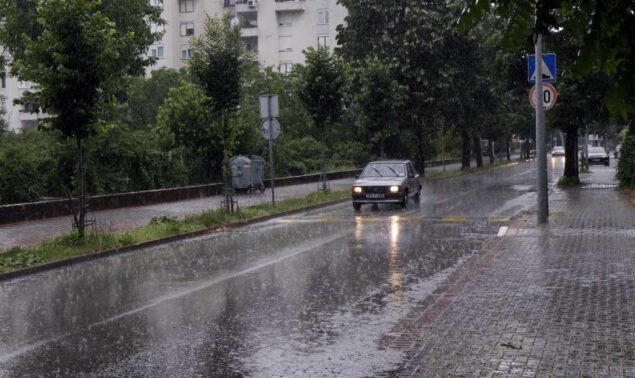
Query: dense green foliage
403, 83
626, 164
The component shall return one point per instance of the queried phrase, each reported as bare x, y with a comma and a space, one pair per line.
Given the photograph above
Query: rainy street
305, 295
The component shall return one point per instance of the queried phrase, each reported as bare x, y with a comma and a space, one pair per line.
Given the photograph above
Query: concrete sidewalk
552, 300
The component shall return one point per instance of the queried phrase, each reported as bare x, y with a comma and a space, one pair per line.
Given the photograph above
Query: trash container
247, 173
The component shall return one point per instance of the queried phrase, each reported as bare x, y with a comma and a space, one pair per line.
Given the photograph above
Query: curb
153, 243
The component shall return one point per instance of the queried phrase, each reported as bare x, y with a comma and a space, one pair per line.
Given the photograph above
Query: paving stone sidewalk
554, 300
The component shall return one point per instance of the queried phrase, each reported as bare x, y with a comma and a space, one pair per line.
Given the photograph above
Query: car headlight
394, 189
357, 189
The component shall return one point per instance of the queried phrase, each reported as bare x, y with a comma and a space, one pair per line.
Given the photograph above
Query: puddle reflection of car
557, 151
389, 181
598, 155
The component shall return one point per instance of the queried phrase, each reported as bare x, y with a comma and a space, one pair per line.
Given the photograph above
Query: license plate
374, 195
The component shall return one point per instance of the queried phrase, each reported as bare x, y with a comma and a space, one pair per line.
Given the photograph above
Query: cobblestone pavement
554, 300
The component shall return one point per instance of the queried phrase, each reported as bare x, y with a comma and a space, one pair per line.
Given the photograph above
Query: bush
626, 165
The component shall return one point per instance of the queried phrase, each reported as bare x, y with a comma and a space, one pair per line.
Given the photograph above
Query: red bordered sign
549, 96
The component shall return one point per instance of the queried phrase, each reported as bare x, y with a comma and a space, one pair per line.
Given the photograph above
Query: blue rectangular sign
548, 68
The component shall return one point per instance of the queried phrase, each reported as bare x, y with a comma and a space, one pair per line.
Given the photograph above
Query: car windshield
557, 148
597, 150
384, 170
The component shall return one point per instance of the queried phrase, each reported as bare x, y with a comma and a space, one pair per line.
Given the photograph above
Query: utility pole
272, 175
541, 151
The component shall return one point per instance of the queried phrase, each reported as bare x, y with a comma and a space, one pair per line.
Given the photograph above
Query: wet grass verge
159, 229
460, 172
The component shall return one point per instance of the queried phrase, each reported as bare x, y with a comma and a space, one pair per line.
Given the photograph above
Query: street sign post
549, 96
548, 68
269, 104
540, 72
270, 129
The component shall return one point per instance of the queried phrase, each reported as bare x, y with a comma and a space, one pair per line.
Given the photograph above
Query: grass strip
72, 245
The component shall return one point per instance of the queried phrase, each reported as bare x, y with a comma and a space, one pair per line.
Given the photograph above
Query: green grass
568, 181
72, 245
459, 172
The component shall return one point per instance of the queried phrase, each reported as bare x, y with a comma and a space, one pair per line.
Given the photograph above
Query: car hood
598, 154
379, 181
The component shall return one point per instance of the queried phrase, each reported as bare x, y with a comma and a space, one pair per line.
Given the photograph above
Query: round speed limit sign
549, 96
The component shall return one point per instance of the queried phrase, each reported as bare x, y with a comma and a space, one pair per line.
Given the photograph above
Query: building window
155, 28
157, 3
285, 43
4, 80
323, 41
186, 53
323, 16
187, 29
28, 107
156, 51
186, 6
24, 85
285, 68
284, 24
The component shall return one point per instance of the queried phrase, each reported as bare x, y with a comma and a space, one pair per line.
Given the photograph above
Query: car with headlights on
387, 181
557, 151
598, 155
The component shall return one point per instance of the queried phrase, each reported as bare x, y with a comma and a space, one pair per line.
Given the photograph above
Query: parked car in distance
598, 155
557, 151
387, 181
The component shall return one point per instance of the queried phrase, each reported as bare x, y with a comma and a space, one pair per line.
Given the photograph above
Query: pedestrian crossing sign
548, 68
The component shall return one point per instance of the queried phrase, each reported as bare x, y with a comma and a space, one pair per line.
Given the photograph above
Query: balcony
246, 6
289, 6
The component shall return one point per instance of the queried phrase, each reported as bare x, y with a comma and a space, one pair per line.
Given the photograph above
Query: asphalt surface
36, 231
310, 295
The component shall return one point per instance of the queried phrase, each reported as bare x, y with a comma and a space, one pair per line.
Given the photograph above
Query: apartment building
276, 30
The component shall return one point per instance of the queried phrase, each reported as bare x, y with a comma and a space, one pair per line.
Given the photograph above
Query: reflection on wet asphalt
308, 295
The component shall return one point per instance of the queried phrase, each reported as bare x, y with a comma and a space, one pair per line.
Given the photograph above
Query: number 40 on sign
549, 96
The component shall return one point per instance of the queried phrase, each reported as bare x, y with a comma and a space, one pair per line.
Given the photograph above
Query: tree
76, 52
216, 65
322, 81
144, 96
604, 30
377, 98
187, 127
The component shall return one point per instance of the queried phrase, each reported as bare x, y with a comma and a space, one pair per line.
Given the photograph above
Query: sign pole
273, 192
541, 151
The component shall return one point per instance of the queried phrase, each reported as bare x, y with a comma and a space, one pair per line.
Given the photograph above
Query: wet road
308, 295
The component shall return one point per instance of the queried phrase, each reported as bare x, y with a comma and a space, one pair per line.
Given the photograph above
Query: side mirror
356, 176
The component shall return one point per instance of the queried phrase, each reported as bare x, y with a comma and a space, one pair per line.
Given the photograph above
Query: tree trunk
571, 149
490, 151
478, 153
465, 151
422, 147
80, 220
381, 148
507, 150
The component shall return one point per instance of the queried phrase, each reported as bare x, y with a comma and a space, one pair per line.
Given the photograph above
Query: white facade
277, 30
18, 117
